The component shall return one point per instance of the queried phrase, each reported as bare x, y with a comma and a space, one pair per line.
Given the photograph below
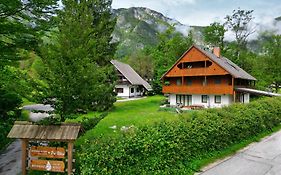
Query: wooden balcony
198, 89
212, 70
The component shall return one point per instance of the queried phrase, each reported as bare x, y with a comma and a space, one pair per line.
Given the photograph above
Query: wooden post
24, 155
234, 96
69, 158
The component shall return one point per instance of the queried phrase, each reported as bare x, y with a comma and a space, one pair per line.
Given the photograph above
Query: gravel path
10, 159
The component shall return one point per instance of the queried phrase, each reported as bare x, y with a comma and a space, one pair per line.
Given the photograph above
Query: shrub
170, 148
90, 123
9, 104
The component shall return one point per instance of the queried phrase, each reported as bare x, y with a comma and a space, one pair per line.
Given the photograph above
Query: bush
9, 112
90, 123
170, 148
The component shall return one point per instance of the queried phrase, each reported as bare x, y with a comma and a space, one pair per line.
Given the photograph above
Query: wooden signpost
49, 152
47, 165
44, 158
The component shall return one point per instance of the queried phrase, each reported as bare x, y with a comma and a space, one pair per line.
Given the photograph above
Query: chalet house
129, 83
205, 79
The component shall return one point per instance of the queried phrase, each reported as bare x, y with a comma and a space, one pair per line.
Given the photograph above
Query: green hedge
170, 148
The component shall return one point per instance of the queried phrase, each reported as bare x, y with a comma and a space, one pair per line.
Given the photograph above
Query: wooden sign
27, 131
47, 165
48, 152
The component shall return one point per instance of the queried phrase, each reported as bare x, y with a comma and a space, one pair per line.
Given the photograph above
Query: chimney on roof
217, 52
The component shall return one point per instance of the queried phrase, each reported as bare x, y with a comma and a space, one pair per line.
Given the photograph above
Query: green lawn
136, 113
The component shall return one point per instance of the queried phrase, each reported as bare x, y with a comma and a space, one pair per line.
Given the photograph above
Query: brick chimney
217, 52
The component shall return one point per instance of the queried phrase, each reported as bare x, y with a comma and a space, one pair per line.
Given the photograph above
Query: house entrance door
187, 100
184, 100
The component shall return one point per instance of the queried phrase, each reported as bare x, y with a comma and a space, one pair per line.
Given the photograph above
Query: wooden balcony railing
198, 89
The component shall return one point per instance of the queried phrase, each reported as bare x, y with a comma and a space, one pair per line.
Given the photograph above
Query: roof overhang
257, 92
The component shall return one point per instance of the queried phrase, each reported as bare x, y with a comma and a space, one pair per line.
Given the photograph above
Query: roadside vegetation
177, 146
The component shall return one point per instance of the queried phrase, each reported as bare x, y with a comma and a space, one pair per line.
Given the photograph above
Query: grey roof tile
130, 74
225, 63
228, 65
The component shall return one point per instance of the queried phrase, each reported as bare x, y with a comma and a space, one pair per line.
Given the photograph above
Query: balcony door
184, 100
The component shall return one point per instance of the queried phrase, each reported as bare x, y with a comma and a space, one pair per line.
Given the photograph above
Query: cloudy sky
204, 12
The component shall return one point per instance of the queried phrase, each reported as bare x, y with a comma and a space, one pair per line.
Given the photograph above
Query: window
217, 80
204, 98
178, 99
217, 99
185, 100
189, 82
132, 90
178, 82
119, 90
138, 89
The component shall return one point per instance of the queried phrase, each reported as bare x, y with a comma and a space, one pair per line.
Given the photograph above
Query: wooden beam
24, 143
234, 96
69, 158
234, 93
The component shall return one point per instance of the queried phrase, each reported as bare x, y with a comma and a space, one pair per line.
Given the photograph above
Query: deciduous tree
214, 35
271, 64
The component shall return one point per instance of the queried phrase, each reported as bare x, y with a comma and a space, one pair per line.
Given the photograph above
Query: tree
171, 46
271, 64
214, 35
22, 23
240, 23
142, 64
78, 69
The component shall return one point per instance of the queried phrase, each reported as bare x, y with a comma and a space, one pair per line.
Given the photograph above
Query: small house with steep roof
129, 83
206, 79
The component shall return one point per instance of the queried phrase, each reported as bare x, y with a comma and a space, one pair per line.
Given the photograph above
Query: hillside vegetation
176, 147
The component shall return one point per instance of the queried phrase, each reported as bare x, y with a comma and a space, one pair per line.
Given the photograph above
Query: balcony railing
198, 89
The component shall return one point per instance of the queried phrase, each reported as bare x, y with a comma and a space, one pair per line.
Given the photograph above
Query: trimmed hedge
170, 148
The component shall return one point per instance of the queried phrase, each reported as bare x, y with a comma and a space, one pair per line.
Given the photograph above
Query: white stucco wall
197, 100
172, 99
126, 90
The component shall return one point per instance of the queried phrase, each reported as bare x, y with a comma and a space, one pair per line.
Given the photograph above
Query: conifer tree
77, 60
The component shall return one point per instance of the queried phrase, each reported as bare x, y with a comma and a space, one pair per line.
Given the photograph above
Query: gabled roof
130, 74
223, 62
27, 130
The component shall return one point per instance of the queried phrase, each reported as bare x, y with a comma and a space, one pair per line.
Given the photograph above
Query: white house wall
172, 99
126, 90
197, 100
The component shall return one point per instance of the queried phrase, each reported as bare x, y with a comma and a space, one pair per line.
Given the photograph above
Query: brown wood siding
197, 87
195, 55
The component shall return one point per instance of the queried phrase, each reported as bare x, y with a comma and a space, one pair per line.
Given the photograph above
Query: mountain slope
138, 27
